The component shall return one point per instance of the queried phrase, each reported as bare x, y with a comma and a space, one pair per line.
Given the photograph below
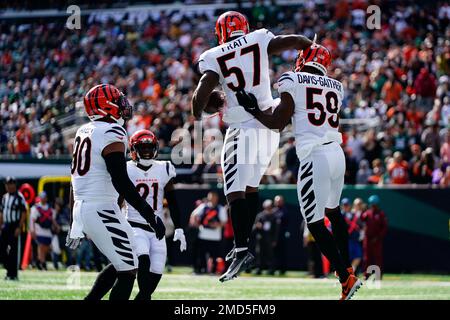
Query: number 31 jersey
150, 184
90, 178
318, 100
242, 63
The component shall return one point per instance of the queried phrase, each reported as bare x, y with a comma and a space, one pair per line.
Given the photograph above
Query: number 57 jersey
90, 179
318, 100
242, 63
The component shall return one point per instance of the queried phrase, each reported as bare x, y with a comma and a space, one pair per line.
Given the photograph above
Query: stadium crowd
396, 107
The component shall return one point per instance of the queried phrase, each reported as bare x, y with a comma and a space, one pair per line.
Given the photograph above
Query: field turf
181, 284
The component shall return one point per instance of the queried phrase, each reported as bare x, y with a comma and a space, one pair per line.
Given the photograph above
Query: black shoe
11, 278
237, 266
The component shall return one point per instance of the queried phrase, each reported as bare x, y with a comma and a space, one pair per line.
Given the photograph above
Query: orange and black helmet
316, 56
105, 100
143, 145
231, 24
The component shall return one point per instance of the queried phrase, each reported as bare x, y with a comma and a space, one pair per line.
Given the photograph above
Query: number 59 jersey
242, 63
318, 100
90, 178
150, 184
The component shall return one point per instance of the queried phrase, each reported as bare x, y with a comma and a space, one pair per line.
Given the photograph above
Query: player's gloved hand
248, 101
158, 226
72, 243
179, 235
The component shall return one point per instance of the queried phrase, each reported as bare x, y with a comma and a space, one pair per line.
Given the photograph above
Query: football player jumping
241, 62
99, 176
154, 181
313, 101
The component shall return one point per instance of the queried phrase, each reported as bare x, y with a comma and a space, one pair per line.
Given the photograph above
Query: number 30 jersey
150, 184
242, 63
90, 178
318, 100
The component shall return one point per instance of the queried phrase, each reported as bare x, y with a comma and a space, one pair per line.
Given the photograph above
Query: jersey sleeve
170, 170
114, 133
286, 83
207, 62
263, 36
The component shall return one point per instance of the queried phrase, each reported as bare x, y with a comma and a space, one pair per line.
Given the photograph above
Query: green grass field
180, 284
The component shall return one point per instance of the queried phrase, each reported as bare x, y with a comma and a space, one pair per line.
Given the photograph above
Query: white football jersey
242, 63
150, 185
318, 100
90, 178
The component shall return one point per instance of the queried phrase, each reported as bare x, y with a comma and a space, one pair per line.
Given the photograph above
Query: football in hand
215, 103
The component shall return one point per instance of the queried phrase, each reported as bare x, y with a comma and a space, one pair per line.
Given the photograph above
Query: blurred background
395, 117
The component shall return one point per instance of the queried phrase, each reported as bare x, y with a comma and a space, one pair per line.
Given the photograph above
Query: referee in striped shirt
12, 218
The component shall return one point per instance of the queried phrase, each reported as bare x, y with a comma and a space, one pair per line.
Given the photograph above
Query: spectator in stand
430, 136
375, 229
210, 217
43, 148
398, 169
423, 169
42, 224
377, 176
23, 139
363, 173
425, 88
355, 227
445, 181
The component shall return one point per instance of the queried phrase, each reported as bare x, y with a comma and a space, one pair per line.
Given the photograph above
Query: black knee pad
144, 262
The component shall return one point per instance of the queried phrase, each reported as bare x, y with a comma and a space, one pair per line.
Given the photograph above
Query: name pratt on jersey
235, 44
319, 80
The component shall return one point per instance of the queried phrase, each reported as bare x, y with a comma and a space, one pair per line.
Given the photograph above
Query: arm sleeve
286, 83
173, 208
117, 168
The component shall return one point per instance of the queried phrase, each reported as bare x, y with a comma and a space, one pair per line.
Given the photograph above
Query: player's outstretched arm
114, 155
206, 85
288, 42
277, 120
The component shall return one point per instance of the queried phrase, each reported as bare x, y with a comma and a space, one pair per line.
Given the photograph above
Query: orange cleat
349, 287
349, 270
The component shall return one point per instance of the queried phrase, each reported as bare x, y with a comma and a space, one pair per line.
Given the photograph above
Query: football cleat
349, 270
230, 255
349, 287
237, 266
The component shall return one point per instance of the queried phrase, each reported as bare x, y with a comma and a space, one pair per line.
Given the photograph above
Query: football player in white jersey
312, 101
99, 176
154, 181
241, 62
